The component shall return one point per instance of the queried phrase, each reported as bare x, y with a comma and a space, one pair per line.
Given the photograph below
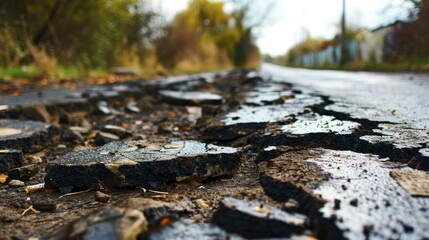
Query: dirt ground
157, 121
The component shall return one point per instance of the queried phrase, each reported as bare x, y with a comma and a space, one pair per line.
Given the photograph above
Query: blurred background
54, 39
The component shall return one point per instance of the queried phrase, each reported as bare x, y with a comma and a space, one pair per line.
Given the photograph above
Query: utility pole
344, 52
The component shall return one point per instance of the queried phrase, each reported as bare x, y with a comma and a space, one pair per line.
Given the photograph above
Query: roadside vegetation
54, 39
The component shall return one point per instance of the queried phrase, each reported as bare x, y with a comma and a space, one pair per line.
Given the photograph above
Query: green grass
19, 72
67, 72
60, 72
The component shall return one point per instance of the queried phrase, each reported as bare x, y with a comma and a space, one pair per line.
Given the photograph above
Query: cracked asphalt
281, 153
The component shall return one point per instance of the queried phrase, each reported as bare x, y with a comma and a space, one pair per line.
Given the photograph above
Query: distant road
396, 97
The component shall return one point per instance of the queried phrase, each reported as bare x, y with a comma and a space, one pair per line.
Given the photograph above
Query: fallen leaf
200, 202
3, 178
92, 135
164, 221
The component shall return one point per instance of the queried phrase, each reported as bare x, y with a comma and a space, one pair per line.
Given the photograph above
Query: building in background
367, 46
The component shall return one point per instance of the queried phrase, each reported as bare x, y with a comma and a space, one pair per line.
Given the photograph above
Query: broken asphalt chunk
110, 223
252, 219
400, 136
190, 97
184, 230
289, 176
10, 158
320, 124
23, 173
249, 119
268, 93
101, 197
103, 108
142, 164
153, 210
28, 136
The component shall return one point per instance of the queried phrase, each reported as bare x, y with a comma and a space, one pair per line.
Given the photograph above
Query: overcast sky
289, 20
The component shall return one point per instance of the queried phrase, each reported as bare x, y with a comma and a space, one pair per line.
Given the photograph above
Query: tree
206, 22
92, 33
411, 39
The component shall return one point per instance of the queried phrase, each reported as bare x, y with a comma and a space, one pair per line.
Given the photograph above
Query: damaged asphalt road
283, 153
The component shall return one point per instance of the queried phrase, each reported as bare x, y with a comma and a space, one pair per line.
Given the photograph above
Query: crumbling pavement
216, 156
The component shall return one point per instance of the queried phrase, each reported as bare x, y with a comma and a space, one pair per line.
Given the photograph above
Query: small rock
103, 108
68, 135
194, 113
81, 130
117, 130
65, 189
23, 173
35, 159
61, 146
132, 107
354, 202
102, 138
337, 204
166, 127
101, 197
10, 159
16, 183
291, 205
